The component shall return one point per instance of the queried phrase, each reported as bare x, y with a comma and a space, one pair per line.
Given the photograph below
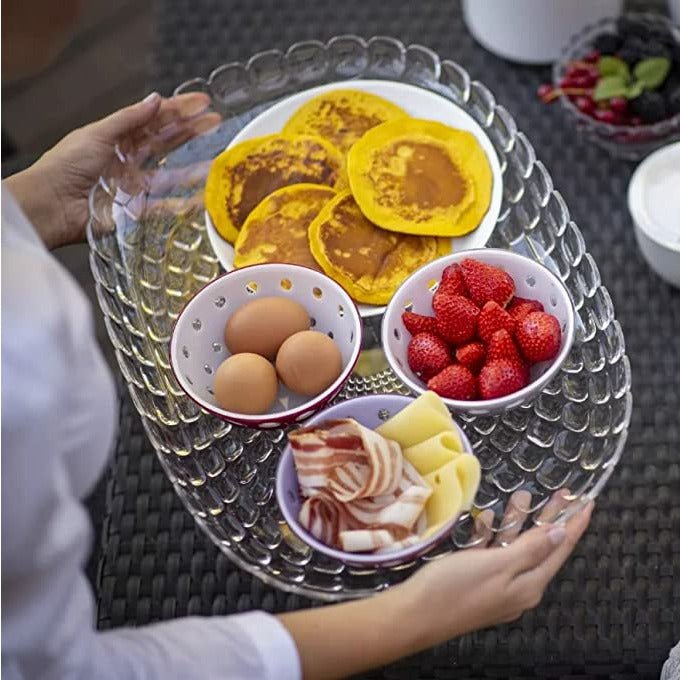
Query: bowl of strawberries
485, 329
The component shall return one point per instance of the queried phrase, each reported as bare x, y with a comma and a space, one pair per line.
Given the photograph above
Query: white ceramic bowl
532, 31
369, 411
532, 280
654, 204
197, 345
417, 102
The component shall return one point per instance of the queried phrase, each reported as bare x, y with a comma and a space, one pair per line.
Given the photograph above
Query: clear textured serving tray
150, 253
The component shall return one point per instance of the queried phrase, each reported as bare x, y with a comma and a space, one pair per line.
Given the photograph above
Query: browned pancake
421, 177
243, 175
368, 261
342, 116
277, 230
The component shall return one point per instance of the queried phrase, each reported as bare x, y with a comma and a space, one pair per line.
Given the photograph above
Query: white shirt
58, 422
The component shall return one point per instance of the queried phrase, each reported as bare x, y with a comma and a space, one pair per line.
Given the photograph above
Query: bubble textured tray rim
566, 442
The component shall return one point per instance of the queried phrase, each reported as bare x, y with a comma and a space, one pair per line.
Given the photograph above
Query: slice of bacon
347, 458
325, 518
361, 494
400, 509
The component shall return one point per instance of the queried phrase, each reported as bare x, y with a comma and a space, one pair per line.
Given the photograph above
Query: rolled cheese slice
454, 486
434, 452
426, 417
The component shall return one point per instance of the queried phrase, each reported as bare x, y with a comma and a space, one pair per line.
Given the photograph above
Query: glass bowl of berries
620, 81
487, 330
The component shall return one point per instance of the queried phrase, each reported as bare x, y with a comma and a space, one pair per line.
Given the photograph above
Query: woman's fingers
127, 120
514, 517
574, 529
482, 534
539, 577
533, 547
183, 106
558, 502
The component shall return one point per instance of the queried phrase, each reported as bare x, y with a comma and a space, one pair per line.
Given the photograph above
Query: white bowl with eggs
272, 333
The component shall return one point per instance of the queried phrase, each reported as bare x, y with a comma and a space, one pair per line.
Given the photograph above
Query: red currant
585, 105
618, 105
606, 116
567, 82
592, 57
584, 80
544, 90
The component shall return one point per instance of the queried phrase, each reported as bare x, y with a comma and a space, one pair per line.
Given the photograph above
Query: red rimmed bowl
370, 411
197, 345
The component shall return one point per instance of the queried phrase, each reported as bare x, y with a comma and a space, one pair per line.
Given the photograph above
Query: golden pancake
420, 177
370, 263
243, 175
342, 116
277, 230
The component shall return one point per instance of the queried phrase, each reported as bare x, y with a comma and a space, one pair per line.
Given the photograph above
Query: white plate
418, 103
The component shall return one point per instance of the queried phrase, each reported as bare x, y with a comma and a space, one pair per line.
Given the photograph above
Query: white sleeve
57, 425
48, 610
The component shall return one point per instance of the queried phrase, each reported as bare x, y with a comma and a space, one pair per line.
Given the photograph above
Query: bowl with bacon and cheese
377, 480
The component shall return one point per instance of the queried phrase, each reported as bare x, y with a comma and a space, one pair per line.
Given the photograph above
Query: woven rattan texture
613, 611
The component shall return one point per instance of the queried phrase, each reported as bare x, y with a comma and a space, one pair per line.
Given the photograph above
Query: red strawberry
471, 356
417, 323
520, 307
485, 282
491, 319
452, 286
501, 377
454, 382
456, 318
539, 336
502, 346
428, 354
452, 280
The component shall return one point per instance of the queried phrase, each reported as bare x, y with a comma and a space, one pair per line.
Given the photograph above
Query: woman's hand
53, 192
475, 589
467, 591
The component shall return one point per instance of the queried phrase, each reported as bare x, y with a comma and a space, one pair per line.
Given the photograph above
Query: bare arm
458, 594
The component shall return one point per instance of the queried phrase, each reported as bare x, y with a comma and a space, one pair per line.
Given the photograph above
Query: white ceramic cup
674, 10
532, 31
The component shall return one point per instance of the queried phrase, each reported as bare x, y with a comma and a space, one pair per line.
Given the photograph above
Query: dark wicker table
614, 610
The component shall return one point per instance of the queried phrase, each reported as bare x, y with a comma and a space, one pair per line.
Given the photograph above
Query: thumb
122, 122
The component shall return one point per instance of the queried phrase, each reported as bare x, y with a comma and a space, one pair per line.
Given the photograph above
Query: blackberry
632, 28
662, 35
673, 101
633, 50
649, 106
653, 48
607, 43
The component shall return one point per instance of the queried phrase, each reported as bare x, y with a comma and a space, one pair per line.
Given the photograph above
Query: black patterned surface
614, 611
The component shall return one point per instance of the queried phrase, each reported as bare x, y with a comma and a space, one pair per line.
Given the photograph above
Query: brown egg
262, 325
245, 383
308, 362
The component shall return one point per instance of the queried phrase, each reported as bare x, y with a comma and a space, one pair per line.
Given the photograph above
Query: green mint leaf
652, 72
612, 66
610, 86
635, 90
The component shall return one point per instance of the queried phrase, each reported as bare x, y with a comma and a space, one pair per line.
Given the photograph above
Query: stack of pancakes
303, 196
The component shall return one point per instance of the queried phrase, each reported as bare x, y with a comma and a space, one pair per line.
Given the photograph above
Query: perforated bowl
532, 280
197, 345
370, 411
